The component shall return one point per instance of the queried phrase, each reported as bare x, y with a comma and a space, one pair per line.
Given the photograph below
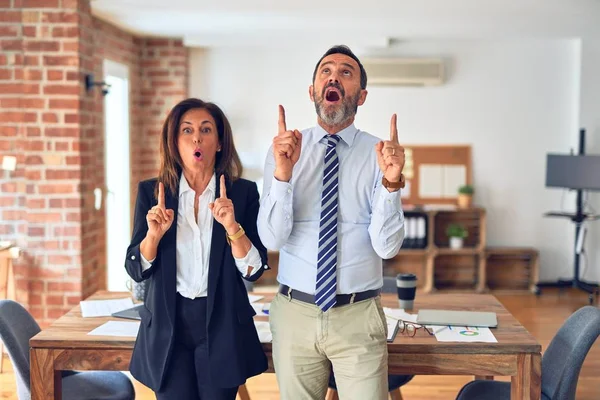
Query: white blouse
194, 237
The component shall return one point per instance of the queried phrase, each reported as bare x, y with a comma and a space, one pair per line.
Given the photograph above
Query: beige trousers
308, 342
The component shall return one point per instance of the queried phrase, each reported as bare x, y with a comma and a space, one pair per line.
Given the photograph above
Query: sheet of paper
104, 308
263, 329
399, 313
254, 298
455, 176
117, 328
463, 334
430, 180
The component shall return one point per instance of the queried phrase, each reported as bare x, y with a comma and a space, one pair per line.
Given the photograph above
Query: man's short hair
345, 50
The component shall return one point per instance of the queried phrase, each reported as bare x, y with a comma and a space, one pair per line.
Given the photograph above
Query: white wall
590, 120
513, 101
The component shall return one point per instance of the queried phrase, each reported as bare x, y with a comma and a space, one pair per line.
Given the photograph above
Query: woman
194, 238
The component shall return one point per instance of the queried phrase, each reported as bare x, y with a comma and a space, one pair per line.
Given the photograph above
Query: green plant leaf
456, 230
466, 189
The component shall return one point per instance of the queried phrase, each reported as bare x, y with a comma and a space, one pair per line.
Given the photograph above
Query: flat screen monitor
573, 171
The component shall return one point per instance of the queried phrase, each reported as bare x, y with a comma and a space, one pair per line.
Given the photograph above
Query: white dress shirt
370, 219
194, 237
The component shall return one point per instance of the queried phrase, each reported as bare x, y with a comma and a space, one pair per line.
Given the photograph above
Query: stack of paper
443, 333
254, 298
117, 328
463, 334
104, 308
399, 314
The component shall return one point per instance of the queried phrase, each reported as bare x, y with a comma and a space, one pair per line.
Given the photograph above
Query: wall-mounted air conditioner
404, 71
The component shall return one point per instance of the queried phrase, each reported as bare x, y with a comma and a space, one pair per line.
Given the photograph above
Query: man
331, 205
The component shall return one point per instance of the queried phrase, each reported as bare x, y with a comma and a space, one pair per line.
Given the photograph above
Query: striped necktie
327, 255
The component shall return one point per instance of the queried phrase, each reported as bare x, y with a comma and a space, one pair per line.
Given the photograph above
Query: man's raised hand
287, 146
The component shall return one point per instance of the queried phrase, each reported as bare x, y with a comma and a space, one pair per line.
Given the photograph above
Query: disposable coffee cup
407, 288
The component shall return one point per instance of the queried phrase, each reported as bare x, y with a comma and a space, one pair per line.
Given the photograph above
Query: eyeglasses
410, 328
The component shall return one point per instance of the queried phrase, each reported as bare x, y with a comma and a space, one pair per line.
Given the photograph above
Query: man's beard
337, 115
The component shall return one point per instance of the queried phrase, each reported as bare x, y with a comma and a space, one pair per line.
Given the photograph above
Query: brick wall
47, 224
56, 130
13, 112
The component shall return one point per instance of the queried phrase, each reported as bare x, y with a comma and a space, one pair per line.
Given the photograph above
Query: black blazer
235, 352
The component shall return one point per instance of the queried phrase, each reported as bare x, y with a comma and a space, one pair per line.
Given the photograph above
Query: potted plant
456, 233
465, 196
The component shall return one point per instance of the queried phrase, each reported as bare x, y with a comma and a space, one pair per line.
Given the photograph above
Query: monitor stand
578, 217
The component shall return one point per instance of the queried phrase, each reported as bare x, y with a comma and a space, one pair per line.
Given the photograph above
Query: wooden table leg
243, 393
482, 274
527, 384
45, 383
396, 395
535, 273
429, 286
332, 395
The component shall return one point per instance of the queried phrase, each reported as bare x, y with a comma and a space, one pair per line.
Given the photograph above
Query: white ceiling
370, 23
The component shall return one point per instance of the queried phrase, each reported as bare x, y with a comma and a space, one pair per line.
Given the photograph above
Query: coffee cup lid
407, 277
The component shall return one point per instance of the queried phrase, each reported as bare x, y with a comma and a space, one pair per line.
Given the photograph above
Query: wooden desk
65, 345
7, 275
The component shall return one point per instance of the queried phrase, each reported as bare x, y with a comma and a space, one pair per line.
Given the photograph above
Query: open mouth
333, 95
198, 154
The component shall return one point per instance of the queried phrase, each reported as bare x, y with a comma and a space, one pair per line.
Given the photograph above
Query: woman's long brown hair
227, 160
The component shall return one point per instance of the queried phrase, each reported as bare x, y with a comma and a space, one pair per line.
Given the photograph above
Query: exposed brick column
49, 227
164, 82
92, 153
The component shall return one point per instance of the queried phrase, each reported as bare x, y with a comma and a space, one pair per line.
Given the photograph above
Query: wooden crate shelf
512, 268
442, 267
455, 271
465, 251
472, 219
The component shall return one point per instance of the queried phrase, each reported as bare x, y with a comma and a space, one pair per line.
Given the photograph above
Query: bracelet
235, 236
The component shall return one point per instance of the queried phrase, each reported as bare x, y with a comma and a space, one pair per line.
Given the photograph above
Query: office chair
561, 362
17, 326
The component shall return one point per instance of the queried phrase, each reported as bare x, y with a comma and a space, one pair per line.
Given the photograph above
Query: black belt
341, 299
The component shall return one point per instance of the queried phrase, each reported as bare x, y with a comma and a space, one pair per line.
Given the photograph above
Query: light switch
97, 198
9, 163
